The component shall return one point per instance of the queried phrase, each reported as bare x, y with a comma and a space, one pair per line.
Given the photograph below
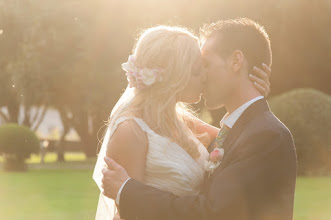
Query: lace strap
115, 125
143, 125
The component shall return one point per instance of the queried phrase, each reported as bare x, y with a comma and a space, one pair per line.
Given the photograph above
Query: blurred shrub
307, 113
17, 143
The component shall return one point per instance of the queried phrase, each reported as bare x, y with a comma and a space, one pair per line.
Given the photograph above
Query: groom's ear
237, 60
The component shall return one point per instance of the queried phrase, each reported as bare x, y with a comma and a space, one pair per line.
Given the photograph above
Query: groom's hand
113, 178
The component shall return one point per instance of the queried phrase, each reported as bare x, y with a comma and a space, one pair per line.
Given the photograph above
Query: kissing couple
159, 161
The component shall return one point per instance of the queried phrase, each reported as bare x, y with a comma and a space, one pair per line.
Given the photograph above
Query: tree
23, 83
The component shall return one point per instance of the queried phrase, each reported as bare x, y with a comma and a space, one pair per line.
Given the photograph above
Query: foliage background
66, 55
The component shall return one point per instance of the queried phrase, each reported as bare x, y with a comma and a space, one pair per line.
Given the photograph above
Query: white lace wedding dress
168, 167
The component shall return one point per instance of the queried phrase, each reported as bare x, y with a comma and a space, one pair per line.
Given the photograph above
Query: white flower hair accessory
141, 78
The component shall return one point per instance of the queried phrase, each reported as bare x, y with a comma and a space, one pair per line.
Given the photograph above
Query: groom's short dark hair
241, 34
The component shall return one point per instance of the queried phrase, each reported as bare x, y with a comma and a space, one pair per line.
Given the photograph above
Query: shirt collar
230, 120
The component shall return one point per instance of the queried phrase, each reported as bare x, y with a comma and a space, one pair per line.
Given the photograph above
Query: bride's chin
192, 102
210, 106
196, 100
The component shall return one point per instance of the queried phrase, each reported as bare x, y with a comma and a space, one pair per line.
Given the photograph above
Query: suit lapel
249, 114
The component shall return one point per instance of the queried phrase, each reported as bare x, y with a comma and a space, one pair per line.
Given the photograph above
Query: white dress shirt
228, 120
119, 192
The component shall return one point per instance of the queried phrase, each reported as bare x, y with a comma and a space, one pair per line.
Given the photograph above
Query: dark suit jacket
256, 179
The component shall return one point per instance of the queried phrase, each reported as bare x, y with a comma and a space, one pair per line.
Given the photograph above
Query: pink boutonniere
215, 159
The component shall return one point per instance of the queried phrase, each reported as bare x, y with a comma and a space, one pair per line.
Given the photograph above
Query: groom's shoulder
268, 122
264, 129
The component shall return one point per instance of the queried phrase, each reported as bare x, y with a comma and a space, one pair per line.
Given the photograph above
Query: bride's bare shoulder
128, 146
128, 133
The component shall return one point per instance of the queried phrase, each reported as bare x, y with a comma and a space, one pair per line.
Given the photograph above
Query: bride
152, 132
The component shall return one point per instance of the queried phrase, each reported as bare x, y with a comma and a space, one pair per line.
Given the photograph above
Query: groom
257, 175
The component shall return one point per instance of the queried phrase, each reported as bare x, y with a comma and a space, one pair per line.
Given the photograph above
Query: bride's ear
237, 60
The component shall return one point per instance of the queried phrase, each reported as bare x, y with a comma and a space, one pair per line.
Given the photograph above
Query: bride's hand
261, 79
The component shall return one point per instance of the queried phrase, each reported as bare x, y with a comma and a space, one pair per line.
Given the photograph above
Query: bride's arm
203, 127
205, 132
128, 146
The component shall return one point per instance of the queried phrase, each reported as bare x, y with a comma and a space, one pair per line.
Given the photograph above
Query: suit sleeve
265, 158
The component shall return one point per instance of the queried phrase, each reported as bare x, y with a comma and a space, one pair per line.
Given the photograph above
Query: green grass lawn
313, 198
54, 190
61, 191
48, 194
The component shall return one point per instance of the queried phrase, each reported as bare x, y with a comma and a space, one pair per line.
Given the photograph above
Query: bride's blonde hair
173, 49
